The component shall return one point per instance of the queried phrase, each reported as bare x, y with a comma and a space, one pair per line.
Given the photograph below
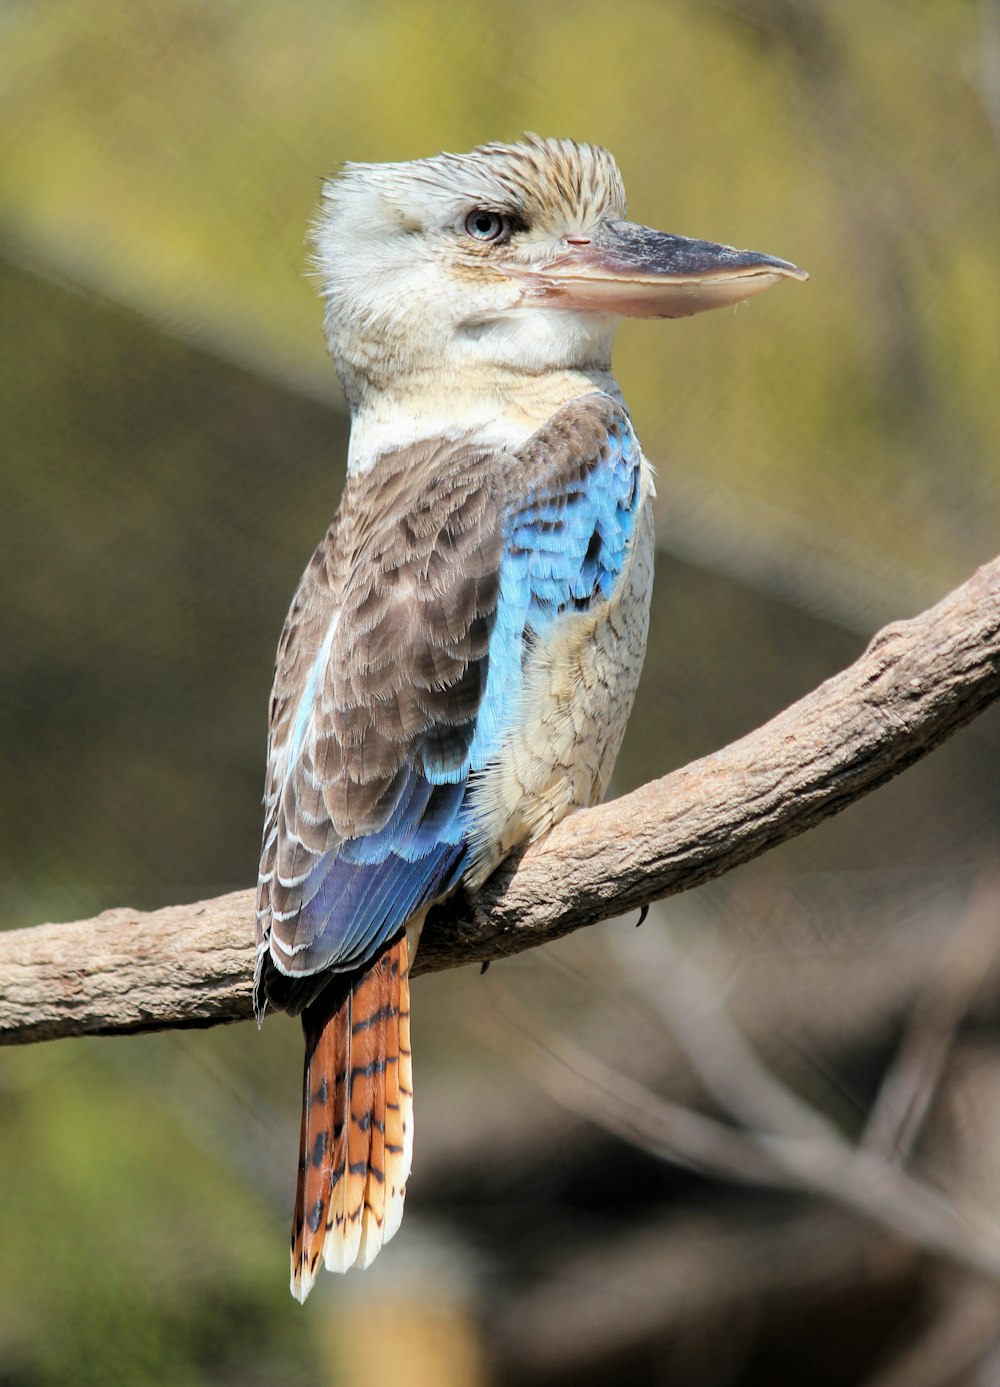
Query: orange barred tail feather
357, 1120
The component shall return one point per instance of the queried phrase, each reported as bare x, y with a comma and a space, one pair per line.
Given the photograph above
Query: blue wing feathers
360, 905
564, 546
405, 820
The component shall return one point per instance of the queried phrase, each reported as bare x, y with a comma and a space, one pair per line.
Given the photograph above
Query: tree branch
190, 965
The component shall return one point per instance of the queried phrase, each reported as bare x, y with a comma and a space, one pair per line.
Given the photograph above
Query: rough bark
190, 965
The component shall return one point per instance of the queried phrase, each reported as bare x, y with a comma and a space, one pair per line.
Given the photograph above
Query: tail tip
303, 1279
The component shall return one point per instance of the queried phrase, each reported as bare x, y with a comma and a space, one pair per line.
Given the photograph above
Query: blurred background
756, 1142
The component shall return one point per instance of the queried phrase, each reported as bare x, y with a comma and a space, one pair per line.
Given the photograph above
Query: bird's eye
487, 226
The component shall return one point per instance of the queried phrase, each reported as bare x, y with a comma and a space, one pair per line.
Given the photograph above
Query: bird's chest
566, 730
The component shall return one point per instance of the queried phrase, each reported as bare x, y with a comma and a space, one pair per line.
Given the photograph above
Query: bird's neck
499, 407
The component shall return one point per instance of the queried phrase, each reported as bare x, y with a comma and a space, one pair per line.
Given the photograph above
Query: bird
461, 656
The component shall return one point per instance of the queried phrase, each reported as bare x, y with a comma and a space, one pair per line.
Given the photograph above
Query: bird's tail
357, 1120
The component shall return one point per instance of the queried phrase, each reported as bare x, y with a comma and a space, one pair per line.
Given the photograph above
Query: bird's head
513, 257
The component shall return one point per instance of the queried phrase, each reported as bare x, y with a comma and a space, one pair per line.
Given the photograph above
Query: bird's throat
499, 408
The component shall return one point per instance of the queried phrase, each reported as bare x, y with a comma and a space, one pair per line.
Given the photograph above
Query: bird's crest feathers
545, 180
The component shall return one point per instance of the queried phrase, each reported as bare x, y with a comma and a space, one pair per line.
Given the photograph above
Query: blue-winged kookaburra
460, 659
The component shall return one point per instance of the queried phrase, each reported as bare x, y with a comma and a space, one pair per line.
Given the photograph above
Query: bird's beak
640, 273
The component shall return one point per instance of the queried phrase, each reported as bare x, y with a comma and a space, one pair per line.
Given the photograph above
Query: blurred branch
909, 1087
961, 1335
807, 1151
615, 1102
917, 683
781, 1141
827, 1166
691, 1272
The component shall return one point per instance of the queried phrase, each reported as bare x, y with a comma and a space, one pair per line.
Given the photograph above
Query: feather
356, 1133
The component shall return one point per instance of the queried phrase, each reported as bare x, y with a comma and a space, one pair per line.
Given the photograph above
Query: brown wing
380, 672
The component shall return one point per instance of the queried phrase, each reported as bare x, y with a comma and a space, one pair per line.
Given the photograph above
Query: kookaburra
460, 658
